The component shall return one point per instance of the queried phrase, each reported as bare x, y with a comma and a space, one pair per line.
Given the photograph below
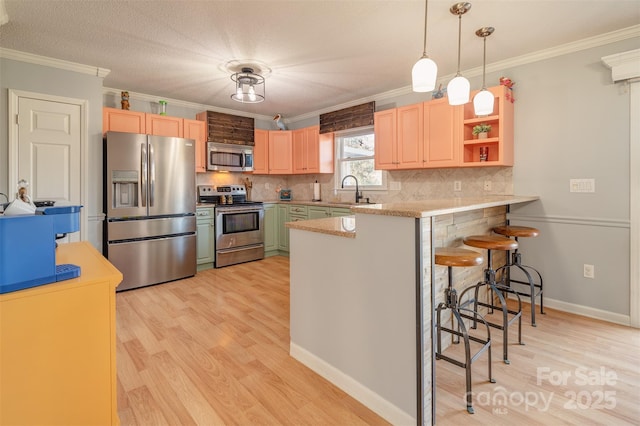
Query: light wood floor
214, 350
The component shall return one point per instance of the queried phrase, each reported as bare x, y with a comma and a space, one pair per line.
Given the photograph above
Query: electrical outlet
589, 271
487, 185
582, 185
457, 185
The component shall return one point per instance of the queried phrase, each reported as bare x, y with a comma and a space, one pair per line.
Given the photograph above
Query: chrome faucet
358, 193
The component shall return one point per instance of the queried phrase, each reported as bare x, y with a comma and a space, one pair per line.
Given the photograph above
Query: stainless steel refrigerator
150, 205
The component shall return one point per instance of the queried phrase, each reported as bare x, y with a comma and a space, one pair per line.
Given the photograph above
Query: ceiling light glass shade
424, 75
458, 91
249, 86
483, 102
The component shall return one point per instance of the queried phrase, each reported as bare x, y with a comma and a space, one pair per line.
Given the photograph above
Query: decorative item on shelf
425, 71
459, 88
484, 153
278, 119
483, 100
285, 195
163, 107
249, 86
437, 94
124, 102
481, 130
508, 83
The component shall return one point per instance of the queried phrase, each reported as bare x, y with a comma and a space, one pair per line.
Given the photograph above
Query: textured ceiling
320, 53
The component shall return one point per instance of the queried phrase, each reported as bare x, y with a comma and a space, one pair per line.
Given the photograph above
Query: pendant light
483, 100
458, 89
425, 71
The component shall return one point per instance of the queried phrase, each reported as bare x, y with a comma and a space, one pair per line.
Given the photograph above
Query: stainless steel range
239, 224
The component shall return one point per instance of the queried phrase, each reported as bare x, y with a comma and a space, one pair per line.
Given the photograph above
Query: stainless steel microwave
229, 157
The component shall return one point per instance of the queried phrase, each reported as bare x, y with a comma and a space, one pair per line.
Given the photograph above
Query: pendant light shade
425, 71
459, 89
483, 100
424, 75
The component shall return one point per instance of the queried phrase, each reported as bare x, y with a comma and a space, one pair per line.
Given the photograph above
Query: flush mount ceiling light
425, 71
249, 86
483, 100
458, 89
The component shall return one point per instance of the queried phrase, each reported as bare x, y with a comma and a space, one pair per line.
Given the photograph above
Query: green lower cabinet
339, 211
205, 238
270, 230
319, 212
283, 231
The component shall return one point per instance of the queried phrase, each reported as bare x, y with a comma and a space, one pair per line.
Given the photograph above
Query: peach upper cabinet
399, 138
119, 120
312, 152
197, 130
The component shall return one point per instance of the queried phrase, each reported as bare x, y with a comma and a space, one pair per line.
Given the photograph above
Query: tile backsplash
413, 184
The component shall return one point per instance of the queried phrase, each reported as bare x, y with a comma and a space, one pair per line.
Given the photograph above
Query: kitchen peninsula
361, 312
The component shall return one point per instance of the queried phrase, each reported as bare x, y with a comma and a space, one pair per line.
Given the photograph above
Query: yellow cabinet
58, 346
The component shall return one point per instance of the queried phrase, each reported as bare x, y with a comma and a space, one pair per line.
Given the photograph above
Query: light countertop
345, 226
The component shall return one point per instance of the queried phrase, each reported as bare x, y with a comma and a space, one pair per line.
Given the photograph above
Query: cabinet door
280, 161
299, 151
386, 144
312, 135
409, 128
283, 231
196, 130
442, 134
270, 228
118, 120
326, 152
318, 212
164, 125
261, 152
338, 211
205, 236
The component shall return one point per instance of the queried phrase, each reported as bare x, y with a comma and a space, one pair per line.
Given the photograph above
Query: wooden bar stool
535, 288
495, 242
451, 257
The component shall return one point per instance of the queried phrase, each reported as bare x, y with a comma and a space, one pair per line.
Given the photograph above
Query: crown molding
624, 66
53, 63
143, 97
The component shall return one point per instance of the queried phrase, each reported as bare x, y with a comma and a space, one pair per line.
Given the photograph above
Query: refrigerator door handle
152, 176
143, 168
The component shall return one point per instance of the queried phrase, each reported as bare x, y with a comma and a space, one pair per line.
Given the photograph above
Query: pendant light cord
484, 63
424, 48
459, 37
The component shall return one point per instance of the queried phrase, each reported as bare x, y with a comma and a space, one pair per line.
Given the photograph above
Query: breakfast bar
361, 313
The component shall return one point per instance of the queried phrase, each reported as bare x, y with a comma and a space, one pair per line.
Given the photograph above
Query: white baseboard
355, 389
586, 311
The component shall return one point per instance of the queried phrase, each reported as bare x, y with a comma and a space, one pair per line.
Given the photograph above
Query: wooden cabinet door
312, 135
164, 125
196, 130
261, 152
299, 151
118, 120
326, 152
280, 160
270, 228
409, 128
442, 134
386, 144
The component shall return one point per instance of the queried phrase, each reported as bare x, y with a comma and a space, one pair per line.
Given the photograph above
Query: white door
48, 152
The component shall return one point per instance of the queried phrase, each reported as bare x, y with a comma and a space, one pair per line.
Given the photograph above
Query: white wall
572, 121
52, 81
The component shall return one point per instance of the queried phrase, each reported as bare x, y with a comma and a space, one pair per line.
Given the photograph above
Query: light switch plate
582, 185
